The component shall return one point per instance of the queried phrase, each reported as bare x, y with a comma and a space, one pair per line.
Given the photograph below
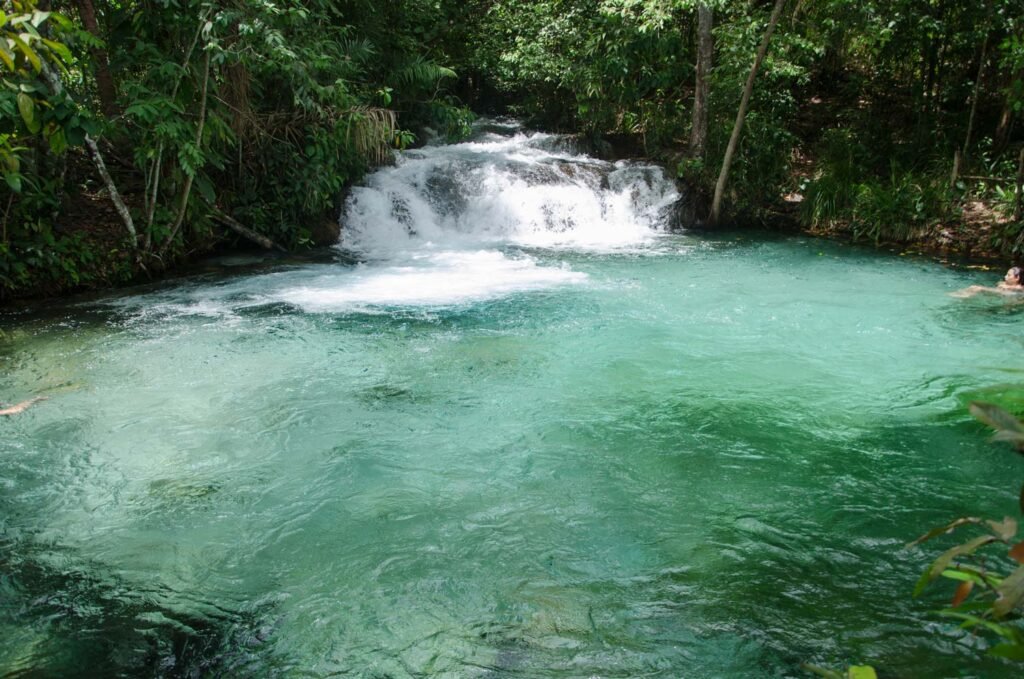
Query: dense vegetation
861, 107
226, 119
205, 114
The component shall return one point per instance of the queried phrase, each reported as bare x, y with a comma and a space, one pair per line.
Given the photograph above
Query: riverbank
90, 252
970, 240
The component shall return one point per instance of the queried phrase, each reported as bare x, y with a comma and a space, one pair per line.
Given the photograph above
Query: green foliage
38, 127
852, 672
987, 569
260, 109
898, 209
847, 193
24, 99
829, 198
264, 110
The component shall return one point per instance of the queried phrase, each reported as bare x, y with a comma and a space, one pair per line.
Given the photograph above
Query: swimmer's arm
974, 290
21, 407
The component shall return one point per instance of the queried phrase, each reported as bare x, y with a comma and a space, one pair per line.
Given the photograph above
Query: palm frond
421, 75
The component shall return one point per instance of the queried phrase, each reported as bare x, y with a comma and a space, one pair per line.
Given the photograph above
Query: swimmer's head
1015, 276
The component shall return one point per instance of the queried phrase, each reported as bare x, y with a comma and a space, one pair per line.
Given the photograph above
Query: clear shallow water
685, 457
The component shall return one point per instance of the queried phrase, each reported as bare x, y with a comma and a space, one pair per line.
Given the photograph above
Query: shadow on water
801, 552
66, 618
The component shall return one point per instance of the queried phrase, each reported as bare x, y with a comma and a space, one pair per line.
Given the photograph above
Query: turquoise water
696, 457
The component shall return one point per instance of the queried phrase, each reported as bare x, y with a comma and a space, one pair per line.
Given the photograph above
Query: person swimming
21, 407
1012, 284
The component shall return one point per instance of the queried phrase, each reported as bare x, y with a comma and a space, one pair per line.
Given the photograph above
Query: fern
421, 75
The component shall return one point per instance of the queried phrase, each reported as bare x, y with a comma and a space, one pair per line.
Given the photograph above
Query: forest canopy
137, 134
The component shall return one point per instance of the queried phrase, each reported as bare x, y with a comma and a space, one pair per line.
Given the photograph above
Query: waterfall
505, 188
452, 224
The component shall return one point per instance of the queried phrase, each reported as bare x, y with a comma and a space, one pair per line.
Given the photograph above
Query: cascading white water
449, 224
513, 188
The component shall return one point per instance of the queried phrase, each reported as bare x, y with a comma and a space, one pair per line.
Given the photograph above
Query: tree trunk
1005, 125
199, 145
974, 103
246, 232
723, 176
705, 51
1018, 211
158, 165
55, 84
104, 80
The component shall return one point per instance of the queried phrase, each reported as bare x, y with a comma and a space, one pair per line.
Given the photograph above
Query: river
510, 427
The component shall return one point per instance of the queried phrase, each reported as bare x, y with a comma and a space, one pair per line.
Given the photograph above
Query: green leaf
822, 672
59, 49
962, 576
29, 53
968, 574
6, 55
13, 180
861, 672
10, 160
61, 21
58, 141
205, 188
973, 621
942, 563
27, 108
75, 135
967, 607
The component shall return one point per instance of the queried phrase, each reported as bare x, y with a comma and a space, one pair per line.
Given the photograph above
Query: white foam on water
443, 278
437, 227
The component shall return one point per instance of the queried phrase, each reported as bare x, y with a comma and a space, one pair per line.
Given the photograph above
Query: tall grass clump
846, 193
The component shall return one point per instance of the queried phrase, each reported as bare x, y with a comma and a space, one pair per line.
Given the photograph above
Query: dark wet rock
326, 231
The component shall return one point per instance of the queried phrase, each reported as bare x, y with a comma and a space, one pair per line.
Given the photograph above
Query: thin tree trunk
115, 197
723, 176
1005, 125
1018, 211
974, 102
199, 144
97, 158
157, 169
705, 51
246, 232
104, 79
929, 84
